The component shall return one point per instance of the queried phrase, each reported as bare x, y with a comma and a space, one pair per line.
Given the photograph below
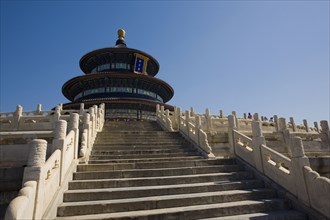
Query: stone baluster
82, 109
221, 114
198, 125
276, 122
325, 133
187, 121
84, 143
231, 127
34, 172
306, 125
157, 110
294, 127
298, 161
86, 120
282, 124
37, 154
100, 118
162, 111
17, 116
256, 117
283, 129
192, 112
178, 117
38, 111
74, 126
97, 119
316, 126
59, 135
257, 140
57, 115
236, 120
187, 113
92, 128
208, 120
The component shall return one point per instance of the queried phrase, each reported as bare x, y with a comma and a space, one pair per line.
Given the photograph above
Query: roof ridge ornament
121, 38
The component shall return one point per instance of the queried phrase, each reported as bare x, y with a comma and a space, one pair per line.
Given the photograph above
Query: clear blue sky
270, 57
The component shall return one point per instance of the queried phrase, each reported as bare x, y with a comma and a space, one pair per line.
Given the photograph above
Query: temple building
123, 78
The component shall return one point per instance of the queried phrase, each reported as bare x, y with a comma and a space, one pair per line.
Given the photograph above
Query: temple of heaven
123, 78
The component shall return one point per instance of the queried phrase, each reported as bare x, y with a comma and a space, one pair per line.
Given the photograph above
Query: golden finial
121, 33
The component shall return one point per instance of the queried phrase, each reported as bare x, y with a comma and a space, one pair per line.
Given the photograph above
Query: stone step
141, 142
138, 140
184, 162
276, 215
139, 134
192, 212
133, 156
150, 146
155, 172
139, 151
163, 180
134, 160
160, 202
145, 191
105, 148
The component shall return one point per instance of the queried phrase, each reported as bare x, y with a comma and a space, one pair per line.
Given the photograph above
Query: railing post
294, 127
178, 117
298, 161
38, 111
208, 119
74, 125
198, 124
92, 131
157, 110
97, 122
221, 114
187, 119
58, 143
81, 110
17, 116
276, 122
256, 117
306, 125
87, 125
257, 140
285, 133
33, 171
231, 128
316, 127
325, 133
59, 135
162, 110
237, 125
57, 115
192, 112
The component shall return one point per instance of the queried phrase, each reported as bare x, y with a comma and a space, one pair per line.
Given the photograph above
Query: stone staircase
139, 171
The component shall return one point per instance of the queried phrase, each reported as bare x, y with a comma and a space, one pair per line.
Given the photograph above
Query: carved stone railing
293, 174
44, 180
183, 124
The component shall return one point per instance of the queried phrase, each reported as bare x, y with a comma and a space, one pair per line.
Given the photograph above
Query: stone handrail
293, 174
22, 206
35, 120
182, 123
51, 175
